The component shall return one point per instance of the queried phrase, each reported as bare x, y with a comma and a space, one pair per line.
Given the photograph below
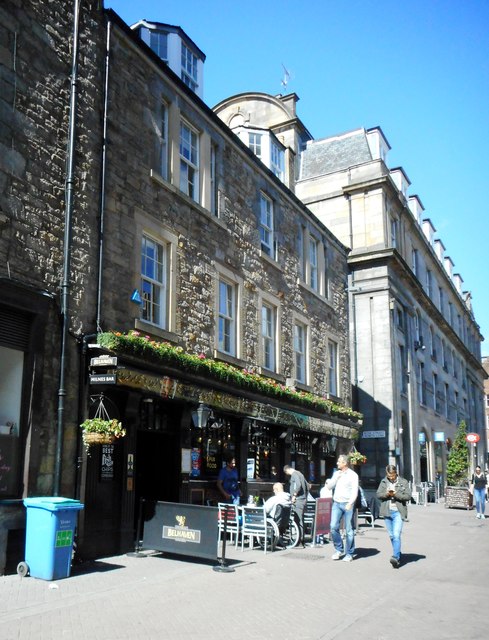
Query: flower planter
98, 438
458, 498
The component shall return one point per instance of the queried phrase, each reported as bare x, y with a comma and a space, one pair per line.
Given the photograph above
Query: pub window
11, 374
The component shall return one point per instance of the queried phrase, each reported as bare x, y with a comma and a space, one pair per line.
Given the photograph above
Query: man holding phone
394, 494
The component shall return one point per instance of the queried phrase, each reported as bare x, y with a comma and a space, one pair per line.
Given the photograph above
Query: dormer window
189, 68
277, 160
254, 143
158, 41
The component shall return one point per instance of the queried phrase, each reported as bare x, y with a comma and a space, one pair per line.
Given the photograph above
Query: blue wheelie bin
50, 529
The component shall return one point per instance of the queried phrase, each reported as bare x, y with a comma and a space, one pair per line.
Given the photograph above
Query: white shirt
345, 485
279, 498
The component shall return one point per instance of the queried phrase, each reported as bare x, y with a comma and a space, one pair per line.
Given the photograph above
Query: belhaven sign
472, 437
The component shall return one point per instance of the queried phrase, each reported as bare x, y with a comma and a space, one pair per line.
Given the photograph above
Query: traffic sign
472, 437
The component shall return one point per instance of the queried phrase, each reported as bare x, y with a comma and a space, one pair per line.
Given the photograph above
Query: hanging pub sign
104, 361
103, 378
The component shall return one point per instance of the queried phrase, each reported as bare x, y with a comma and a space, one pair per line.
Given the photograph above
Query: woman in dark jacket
394, 494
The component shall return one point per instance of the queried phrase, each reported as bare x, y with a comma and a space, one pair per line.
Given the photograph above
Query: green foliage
107, 427
458, 458
134, 344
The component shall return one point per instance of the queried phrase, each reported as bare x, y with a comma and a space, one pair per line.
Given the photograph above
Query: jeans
480, 500
340, 511
393, 524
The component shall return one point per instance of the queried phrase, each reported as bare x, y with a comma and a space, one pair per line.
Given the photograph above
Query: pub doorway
157, 459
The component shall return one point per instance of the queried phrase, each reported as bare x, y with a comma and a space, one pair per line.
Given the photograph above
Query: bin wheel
22, 569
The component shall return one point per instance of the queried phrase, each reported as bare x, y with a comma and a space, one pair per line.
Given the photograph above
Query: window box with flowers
136, 345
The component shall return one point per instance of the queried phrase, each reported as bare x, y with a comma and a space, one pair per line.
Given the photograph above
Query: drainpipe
65, 285
102, 180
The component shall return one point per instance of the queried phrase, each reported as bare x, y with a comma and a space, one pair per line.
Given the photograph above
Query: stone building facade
415, 344
127, 206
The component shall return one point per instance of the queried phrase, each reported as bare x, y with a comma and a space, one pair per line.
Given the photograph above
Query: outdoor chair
232, 524
255, 525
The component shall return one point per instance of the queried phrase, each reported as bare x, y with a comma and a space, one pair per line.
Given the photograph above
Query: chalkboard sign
9, 465
458, 498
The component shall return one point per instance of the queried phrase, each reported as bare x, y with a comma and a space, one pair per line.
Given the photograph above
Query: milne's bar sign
104, 361
103, 378
373, 434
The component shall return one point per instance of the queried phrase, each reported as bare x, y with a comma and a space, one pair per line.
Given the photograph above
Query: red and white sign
472, 437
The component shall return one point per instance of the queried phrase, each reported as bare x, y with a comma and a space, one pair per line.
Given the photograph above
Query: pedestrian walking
345, 485
394, 494
478, 489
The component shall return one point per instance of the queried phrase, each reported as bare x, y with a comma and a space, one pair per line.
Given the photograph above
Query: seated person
279, 497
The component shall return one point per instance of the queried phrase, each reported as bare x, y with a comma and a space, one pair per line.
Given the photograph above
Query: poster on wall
250, 468
107, 462
195, 462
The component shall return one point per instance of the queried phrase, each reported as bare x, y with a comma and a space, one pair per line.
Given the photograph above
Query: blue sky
419, 69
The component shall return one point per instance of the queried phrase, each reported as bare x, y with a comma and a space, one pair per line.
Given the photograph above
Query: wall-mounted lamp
314, 440
136, 297
201, 415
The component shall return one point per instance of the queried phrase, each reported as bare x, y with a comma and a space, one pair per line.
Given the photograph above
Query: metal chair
255, 525
232, 524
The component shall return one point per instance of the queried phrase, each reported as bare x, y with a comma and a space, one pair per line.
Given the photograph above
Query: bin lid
53, 503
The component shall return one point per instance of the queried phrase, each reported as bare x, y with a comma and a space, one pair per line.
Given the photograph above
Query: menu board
9, 465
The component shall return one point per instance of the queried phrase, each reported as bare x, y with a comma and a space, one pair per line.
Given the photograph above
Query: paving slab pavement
440, 593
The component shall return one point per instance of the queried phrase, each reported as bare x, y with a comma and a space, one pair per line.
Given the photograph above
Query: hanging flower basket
98, 438
101, 431
356, 458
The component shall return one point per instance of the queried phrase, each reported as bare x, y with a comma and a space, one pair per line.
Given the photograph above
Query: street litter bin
50, 528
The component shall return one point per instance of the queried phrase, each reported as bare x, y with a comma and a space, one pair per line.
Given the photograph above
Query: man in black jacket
298, 489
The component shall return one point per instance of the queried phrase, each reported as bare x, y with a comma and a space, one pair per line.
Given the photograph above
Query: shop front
180, 430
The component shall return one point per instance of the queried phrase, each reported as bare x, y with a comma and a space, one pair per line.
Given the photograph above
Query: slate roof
334, 154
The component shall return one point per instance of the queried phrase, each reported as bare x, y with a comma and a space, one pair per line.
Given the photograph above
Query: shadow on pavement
412, 557
366, 553
94, 566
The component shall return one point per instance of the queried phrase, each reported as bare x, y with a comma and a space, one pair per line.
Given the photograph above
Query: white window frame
255, 143
414, 261
268, 332
267, 234
163, 154
301, 349
154, 281
277, 160
213, 180
313, 259
189, 63
333, 377
227, 322
394, 233
158, 43
189, 161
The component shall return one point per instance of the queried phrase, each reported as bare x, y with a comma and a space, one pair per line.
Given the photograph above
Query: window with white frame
435, 392
277, 160
163, 142
300, 352
414, 261
300, 252
254, 143
269, 336
266, 225
394, 233
332, 368
429, 283
189, 161
421, 383
227, 317
214, 199
158, 42
313, 263
327, 279
154, 256
189, 68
